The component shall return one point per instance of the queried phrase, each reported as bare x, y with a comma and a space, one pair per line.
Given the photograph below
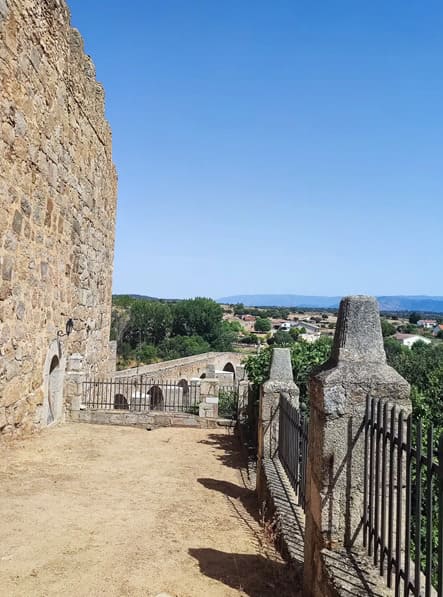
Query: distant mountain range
422, 304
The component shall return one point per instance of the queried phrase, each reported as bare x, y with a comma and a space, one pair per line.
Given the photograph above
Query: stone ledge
283, 504
148, 419
351, 574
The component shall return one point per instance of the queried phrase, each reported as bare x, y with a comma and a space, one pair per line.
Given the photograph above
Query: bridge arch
184, 385
229, 367
120, 402
157, 401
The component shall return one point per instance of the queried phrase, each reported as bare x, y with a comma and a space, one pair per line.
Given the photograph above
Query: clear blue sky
273, 146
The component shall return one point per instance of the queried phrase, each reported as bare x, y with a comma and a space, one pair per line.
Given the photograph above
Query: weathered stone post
335, 475
281, 379
240, 373
209, 390
74, 378
243, 395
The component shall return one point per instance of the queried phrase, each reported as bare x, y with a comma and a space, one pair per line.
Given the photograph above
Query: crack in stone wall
58, 205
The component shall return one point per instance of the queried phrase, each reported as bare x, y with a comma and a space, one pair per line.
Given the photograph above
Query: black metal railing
138, 394
403, 496
293, 446
228, 402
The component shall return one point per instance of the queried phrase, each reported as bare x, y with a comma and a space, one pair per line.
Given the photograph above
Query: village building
427, 324
411, 339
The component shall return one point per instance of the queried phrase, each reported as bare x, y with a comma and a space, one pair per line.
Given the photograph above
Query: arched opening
52, 412
54, 396
229, 367
183, 384
156, 398
51, 409
120, 402
203, 376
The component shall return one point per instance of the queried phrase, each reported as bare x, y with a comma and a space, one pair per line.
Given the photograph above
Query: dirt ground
88, 510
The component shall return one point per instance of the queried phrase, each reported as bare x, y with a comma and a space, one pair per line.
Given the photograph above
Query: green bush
228, 404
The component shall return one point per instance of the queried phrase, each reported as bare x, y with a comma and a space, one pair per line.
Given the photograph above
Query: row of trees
389, 329
421, 366
149, 330
276, 312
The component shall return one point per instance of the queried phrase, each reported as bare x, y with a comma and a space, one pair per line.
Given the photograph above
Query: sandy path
88, 510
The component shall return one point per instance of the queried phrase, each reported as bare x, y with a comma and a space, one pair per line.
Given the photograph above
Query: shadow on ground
247, 497
254, 575
231, 453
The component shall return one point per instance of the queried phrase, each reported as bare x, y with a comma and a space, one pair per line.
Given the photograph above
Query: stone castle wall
57, 206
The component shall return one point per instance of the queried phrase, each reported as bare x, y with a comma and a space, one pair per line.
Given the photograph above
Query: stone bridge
198, 366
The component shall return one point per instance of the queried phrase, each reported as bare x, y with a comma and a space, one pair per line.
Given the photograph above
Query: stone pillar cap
281, 366
358, 335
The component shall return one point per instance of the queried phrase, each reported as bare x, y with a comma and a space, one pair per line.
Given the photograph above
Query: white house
310, 328
427, 324
410, 339
310, 337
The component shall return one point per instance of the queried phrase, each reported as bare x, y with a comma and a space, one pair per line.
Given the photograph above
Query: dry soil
88, 510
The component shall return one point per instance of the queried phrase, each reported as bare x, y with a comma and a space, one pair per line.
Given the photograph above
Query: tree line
148, 330
421, 365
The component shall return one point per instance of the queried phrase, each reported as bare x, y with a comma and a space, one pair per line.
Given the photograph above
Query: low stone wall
144, 419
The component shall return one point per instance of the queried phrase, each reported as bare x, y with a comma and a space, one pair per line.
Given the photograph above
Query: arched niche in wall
53, 382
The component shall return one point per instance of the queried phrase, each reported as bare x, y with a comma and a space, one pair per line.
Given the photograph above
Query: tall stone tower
57, 205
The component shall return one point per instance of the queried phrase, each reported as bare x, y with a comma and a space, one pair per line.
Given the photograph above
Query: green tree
150, 322
198, 317
414, 317
262, 324
387, 328
182, 346
282, 339
228, 334
296, 332
239, 309
305, 357
146, 353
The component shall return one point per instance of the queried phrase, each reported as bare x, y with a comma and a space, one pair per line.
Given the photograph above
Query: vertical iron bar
297, 451
440, 517
365, 475
391, 495
377, 485
383, 489
371, 479
408, 505
429, 487
398, 525
417, 509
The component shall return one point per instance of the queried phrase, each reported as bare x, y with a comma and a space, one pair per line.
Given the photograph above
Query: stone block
207, 410
185, 422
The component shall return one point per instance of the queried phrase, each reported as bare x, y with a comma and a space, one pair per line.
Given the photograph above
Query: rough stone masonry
58, 203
